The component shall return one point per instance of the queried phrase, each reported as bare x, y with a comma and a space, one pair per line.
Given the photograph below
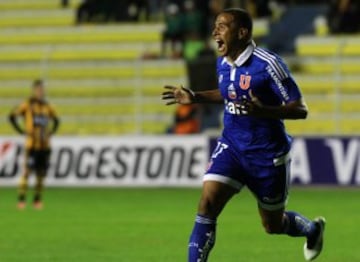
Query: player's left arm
15, 113
284, 86
295, 109
56, 120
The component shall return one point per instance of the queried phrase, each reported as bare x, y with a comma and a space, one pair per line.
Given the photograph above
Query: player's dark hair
241, 18
38, 82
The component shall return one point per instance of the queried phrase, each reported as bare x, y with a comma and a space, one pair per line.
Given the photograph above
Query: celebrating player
253, 151
36, 112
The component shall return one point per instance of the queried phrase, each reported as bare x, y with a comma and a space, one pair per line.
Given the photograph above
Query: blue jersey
269, 79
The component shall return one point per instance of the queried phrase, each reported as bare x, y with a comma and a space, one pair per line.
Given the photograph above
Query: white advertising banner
114, 161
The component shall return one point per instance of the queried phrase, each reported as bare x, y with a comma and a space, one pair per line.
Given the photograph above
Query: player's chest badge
244, 82
232, 92
221, 77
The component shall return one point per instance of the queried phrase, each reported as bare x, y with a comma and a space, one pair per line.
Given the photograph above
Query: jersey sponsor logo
40, 120
232, 108
232, 92
244, 82
277, 81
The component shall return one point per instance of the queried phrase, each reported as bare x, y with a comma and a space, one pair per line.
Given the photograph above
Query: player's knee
273, 228
207, 207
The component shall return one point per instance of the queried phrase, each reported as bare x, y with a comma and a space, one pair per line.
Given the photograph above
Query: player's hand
178, 95
252, 106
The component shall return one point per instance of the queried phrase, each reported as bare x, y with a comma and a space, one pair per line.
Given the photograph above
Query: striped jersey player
259, 92
40, 123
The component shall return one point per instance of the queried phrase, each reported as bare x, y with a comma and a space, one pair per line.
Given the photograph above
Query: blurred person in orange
187, 120
37, 114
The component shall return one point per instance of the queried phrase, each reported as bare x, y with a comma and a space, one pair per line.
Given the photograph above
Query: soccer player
37, 113
253, 151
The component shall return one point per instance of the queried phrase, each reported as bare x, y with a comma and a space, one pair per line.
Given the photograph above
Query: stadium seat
131, 33
320, 106
145, 69
31, 18
101, 65
331, 66
315, 46
6, 5
350, 105
350, 126
311, 126
328, 46
352, 48
76, 52
328, 84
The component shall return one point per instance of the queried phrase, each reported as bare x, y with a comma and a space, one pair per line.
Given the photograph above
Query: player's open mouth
221, 45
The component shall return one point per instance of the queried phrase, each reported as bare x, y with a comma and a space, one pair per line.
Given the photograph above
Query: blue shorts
269, 183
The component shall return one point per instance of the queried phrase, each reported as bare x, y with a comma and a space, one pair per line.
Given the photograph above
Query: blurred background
105, 62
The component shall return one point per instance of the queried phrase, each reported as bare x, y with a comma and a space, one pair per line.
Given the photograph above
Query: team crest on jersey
220, 78
231, 92
245, 82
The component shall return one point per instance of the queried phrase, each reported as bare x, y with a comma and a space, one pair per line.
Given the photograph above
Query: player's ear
243, 32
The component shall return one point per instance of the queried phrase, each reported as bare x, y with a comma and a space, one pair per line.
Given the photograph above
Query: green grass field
143, 225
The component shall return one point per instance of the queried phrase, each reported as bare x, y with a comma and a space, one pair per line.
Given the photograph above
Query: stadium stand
95, 74
101, 84
328, 73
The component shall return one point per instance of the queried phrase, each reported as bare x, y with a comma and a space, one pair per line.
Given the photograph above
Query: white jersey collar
243, 57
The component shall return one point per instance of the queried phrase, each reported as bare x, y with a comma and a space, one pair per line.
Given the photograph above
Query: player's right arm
185, 96
14, 114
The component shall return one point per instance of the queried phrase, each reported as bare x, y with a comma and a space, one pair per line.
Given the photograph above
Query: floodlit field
143, 225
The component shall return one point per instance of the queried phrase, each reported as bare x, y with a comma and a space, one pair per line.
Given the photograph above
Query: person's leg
42, 164
22, 189
23, 182
287, 222
38, 190
221, 181
271, 191
213, 199
295, 225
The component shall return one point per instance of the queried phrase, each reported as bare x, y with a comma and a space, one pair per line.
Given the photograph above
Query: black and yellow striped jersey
37, 114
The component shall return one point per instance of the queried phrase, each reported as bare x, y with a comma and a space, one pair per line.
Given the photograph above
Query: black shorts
38, 159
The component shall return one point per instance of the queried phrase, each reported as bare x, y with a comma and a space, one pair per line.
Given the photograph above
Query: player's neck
233, 55
38, 99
